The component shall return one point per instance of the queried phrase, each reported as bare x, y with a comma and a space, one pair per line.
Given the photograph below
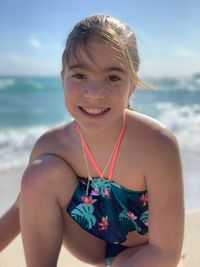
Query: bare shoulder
54, 142
159, 149
151, 131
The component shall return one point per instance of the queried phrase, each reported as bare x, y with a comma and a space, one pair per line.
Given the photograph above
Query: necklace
87, 165
112, 158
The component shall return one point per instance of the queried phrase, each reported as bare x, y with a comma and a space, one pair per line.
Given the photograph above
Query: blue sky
33, 33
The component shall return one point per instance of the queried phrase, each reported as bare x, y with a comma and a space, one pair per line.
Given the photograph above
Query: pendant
88, 184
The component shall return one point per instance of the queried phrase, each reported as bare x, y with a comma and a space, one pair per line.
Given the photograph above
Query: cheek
121, 93
68, 93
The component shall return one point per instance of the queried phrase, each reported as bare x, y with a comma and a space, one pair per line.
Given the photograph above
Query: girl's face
96, 88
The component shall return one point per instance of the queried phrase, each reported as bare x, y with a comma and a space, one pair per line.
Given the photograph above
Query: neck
111, 159
105, 137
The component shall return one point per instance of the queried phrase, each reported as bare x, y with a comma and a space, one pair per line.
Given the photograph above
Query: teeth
94, 111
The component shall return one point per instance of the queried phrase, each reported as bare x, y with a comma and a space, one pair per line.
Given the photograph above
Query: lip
93, 111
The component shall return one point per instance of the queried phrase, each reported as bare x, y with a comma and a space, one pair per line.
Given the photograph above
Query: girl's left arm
163, 172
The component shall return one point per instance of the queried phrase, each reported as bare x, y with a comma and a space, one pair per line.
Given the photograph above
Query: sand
191, 246
13, 255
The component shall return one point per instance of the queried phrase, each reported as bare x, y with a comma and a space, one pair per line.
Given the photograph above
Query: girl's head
110, 31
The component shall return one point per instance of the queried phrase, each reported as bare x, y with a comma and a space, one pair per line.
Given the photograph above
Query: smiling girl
108, 185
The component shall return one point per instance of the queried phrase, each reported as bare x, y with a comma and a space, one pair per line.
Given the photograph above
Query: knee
46, 174
36, 175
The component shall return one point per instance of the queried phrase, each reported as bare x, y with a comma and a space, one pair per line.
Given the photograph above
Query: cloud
34, 42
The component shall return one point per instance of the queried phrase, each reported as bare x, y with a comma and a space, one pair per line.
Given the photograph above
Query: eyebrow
77, 66
84, 66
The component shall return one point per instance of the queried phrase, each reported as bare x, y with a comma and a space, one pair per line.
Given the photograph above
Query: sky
33, 33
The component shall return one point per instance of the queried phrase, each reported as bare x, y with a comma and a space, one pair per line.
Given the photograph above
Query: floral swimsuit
109, 211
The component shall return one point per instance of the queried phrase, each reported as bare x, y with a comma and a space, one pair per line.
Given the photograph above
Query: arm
9, 221
163, 174
9, 225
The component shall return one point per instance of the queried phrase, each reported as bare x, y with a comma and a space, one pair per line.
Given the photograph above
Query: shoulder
160, 153
158, 145
54, 141
150, 130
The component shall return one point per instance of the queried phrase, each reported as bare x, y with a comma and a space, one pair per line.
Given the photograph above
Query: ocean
31, 105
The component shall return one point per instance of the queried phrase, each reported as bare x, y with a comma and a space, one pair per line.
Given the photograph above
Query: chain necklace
112, 157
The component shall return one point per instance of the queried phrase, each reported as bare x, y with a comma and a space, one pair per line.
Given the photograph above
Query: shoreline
13, 255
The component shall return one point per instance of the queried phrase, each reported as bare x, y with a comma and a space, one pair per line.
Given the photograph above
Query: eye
114, 78
79, 76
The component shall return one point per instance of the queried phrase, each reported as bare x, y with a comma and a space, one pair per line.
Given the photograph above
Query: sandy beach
13, 255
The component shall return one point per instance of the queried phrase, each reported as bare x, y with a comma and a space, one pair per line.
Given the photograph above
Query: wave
184, 121
16, 145
5, 83
29, 83
190, 84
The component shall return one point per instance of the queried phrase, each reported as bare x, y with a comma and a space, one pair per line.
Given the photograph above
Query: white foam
6, 83
175, 84
35, 84
188, 84
16, 145
184, 121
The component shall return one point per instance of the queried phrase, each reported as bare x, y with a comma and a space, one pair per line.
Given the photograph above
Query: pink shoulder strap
114, 157
89, 152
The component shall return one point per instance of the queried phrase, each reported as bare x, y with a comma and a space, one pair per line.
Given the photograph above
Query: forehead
95, 55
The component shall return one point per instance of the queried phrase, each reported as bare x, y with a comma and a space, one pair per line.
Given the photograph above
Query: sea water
29, 106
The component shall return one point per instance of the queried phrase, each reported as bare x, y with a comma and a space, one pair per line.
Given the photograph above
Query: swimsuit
109, 211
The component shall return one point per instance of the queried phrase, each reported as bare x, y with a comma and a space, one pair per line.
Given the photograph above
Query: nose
94, 91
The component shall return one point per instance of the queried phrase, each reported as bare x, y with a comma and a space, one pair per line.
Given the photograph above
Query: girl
108, 185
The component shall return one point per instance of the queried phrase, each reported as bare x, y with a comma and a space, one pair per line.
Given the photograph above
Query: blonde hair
112, 32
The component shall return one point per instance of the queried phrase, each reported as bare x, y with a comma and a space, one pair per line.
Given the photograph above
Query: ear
62, 75
131, 91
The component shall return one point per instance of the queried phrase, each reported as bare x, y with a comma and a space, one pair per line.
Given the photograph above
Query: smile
94, 111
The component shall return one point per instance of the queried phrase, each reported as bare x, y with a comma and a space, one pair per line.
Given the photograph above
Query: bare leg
9, 225
82, 245
47, 186
122, 257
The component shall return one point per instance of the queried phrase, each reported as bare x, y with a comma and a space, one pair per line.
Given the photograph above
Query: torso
130, 165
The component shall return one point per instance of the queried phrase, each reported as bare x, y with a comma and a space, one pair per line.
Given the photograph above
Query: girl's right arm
9, 225
9, 222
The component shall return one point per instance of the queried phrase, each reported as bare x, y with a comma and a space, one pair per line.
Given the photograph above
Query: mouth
94, 111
